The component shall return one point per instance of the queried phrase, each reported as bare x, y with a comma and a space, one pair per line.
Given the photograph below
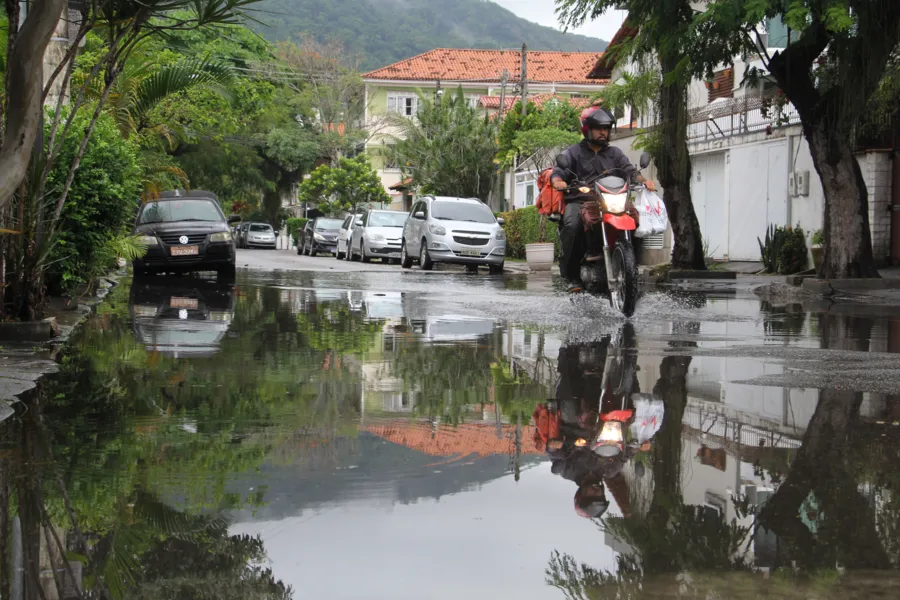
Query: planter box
30, 331
818, 255
540, 256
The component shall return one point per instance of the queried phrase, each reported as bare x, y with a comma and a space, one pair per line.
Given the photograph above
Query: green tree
559, 125
346, 187
632, 92
447, 150
665, 36
829, 74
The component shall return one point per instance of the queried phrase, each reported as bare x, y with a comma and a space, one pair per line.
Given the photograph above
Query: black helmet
590, 500
595, 116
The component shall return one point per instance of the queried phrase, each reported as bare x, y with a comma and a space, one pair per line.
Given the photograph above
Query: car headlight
222, 236
501, 235
318, 237
147, 240
375, 237
615, 203
437, 230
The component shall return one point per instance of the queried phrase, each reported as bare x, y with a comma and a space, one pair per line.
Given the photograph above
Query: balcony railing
738, 116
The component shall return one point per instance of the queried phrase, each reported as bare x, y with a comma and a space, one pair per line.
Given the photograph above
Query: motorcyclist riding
584, 161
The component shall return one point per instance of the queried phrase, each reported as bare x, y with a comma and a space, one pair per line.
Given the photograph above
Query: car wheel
425, 262
362, 253
496, 269
312, 249
406, 260
299, 249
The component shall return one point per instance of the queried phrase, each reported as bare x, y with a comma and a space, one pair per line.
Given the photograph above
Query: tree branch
25, 89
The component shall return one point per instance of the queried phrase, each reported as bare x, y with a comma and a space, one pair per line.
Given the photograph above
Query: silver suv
460, 231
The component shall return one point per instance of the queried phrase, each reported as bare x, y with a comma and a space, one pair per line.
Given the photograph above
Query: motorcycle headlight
610, 440
437, 230
501, 235
318, 237
375, 237
222, 236
147, 240
615, 203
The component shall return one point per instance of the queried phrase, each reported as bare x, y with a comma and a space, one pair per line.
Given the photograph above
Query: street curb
828, 287
715, 275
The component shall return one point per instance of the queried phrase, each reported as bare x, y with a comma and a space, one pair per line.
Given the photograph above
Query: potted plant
540, 254
818, 253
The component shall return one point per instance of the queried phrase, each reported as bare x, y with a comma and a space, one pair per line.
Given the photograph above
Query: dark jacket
582, 163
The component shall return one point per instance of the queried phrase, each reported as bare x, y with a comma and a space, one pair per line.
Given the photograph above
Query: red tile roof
457, 65
469, 439
606, 62
493, 102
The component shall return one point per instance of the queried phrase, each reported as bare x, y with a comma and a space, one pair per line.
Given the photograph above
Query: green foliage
351, 184
784, 250
523, 227
294, 225
447, 150
559, 121
818, 238
102, 202
631, 92
381, 34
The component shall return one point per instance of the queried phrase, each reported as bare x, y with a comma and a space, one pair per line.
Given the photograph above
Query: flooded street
436, 435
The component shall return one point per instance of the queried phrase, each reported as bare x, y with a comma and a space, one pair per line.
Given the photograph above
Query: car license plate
185, 250
470, 253
178, 302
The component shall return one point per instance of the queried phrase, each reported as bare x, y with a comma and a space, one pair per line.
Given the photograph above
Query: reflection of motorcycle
596, 424
609, 226
185, 316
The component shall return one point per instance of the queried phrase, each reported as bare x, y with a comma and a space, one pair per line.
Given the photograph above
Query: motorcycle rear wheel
623, 289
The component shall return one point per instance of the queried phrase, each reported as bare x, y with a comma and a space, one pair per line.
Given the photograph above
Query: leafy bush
101, 205
784, 250
523, 227
818, 238
293, 226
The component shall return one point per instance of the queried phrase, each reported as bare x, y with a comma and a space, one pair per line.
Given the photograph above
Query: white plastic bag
648, 417
643, 206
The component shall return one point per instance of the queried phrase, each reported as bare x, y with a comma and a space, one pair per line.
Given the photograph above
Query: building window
529, 194
721, 85
404, 104
472, 100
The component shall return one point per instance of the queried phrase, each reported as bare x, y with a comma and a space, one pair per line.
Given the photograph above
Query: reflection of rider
584, 161
565, 433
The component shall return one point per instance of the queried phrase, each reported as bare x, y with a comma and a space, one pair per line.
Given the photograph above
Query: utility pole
503, 81
437, 95
524, 80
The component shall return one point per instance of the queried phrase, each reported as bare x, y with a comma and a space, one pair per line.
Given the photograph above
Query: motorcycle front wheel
623, 288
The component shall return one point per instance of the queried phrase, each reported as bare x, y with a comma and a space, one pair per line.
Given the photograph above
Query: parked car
319, 235
343, 243
258, 235
184, 232
460, 231
377, 235
241, 235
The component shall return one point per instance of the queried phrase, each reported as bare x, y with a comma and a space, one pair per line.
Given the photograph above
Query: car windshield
260, 227
462, 211
328, 225
387, 219
179, 210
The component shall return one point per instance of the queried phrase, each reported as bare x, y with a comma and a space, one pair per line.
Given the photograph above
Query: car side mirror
234, 219
419, 215
500, 220
359, 223
645, 160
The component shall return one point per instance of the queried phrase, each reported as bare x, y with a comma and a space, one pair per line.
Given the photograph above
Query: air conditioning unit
802, 183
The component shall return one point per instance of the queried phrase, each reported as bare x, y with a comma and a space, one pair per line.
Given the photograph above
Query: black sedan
185, 232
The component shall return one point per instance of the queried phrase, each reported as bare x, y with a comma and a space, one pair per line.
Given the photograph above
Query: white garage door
709, 197
758, 196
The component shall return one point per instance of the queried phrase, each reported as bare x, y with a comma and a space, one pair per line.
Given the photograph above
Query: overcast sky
542, 12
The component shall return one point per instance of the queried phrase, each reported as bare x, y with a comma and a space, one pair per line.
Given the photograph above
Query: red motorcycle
609, 222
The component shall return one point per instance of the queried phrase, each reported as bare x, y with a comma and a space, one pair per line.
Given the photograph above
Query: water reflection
381, 423
183, 316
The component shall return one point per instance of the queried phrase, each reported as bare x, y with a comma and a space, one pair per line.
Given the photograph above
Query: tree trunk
24, 90
848, 239
674, 164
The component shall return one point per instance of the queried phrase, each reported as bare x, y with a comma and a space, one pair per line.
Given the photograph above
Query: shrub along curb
522, 227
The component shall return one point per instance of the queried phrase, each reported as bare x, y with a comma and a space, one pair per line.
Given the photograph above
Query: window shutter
414, 106
392, 103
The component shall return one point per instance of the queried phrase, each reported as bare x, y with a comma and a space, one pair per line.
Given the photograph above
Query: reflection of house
456, 442
395, 89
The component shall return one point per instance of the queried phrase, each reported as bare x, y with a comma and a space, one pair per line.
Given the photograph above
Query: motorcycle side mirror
645, 160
